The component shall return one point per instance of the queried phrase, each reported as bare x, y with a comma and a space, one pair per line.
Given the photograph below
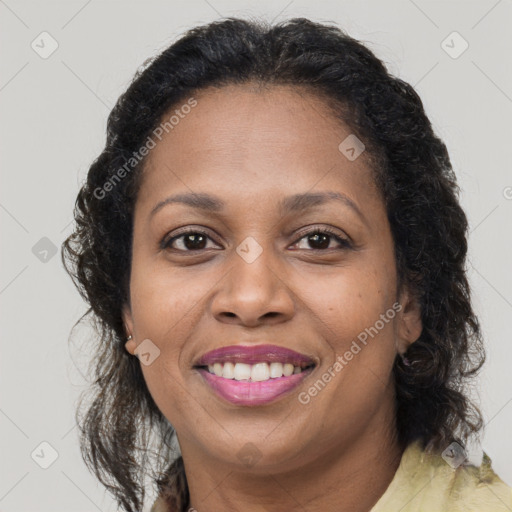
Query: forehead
246, 139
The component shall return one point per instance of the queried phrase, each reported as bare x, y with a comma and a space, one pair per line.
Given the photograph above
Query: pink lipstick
254, 375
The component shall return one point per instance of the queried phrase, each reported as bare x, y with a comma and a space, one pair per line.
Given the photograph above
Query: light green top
427, 483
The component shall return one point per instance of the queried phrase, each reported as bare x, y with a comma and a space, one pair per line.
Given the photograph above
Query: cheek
164, 298
353, 300
168, 306
164, 310
354, 384
170, 393
357, 314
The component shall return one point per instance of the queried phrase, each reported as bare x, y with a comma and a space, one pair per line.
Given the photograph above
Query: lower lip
242, 392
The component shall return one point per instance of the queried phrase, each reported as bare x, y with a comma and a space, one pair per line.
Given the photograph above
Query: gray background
53, 118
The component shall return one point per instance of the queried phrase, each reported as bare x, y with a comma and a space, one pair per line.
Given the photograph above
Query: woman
273, 251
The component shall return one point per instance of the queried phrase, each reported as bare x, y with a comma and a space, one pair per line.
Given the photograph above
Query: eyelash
344, 243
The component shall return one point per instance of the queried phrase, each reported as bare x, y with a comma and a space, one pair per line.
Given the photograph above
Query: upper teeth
254, 372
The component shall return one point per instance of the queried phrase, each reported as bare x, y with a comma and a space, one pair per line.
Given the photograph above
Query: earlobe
409, 322
130, 344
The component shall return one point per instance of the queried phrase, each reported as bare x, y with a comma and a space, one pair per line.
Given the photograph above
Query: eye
192, 239
321, 238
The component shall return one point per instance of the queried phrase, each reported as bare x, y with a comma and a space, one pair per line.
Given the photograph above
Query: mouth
254, 375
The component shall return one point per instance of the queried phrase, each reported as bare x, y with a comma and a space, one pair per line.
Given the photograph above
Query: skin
252, 147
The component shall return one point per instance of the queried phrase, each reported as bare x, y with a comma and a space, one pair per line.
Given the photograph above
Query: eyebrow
290, 204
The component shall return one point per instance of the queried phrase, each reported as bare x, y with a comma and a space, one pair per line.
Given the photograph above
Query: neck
350, 477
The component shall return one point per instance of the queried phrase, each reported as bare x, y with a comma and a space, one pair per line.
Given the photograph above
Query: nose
254, 293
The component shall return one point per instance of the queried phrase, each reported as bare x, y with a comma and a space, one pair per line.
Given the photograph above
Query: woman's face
255, 277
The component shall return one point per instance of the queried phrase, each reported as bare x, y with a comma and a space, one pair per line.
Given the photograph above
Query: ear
409, 324
130, 345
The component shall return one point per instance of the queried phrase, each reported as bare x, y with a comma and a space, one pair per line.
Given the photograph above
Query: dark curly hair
412, 170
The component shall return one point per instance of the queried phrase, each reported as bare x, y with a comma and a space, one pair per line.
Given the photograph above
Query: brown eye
188, 241
320, 239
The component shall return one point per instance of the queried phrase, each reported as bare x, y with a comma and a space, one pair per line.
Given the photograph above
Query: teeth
260, 371
254, 372
242, 371
287, 369
217, 369
276, 370
228, 371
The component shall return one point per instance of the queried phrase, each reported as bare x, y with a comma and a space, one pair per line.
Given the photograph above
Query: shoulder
426, 482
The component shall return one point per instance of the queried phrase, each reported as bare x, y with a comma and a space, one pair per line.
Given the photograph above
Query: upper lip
252, 354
